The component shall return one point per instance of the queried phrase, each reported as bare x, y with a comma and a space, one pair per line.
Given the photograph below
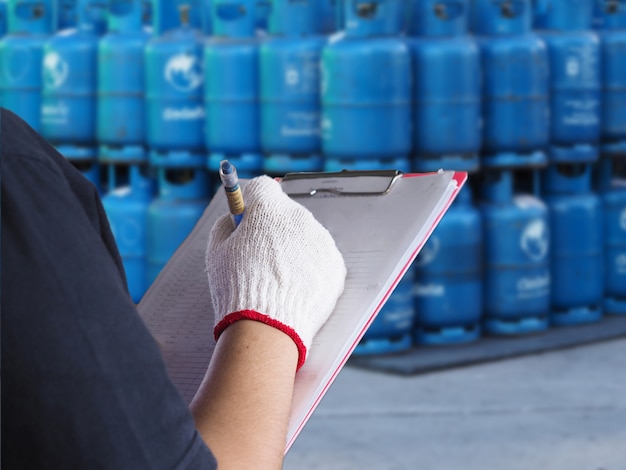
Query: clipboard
380, 220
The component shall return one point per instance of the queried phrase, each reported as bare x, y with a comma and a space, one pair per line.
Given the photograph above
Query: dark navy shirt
83, 382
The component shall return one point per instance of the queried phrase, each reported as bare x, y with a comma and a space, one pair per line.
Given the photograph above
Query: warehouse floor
563, 410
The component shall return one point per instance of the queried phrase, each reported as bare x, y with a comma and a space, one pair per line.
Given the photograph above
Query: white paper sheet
379, 237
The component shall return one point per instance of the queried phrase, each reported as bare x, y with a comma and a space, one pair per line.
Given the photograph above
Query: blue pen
230, 180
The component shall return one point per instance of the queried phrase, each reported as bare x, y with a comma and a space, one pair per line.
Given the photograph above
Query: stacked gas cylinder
147, 97
537, 239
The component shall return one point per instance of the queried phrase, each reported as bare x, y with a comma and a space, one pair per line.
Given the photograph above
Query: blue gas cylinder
174, 90
206, 20
231, 83
448, 291
367, 113
147, 16
340, 14
30, 25
289, 64
436, 19
328, 17
577, 264
78, 153
514, 62
516, 260
446, 89
166, 14
610, 183
262, 13
68, 101
67, 14
130, 192
390, 332
120, 123
3, 18
392, 163
278, 164
611, 24
183, 195
574, 60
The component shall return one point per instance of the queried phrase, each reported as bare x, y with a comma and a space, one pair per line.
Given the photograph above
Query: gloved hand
280, 266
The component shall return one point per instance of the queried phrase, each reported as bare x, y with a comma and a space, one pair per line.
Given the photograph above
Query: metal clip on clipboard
354, 183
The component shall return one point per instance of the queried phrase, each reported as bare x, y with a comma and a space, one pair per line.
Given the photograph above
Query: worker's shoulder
24, 153
20, 141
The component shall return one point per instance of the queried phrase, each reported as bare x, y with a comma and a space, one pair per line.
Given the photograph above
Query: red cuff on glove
256, 316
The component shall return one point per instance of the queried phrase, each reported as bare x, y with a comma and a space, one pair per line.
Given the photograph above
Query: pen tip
225, 167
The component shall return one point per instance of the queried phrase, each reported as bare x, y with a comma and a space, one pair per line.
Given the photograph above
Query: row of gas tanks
441, 101
519, 251
509, 98
508, 262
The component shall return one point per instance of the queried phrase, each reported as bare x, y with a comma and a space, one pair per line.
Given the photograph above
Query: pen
230, 180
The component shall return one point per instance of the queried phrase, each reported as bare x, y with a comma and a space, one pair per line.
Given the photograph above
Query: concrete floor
563, 410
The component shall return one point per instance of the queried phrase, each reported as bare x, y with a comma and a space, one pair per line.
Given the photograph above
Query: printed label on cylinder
55, 113
533, 286
430, 290
301, 124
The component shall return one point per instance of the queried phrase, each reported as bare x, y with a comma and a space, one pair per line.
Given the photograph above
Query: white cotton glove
280, 266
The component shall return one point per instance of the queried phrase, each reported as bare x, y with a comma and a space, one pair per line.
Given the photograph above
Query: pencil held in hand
230, 180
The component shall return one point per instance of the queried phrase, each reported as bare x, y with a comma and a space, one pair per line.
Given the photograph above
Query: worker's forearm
242, 407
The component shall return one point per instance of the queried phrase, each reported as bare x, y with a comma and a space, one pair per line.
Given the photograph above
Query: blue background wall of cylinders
146, 97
